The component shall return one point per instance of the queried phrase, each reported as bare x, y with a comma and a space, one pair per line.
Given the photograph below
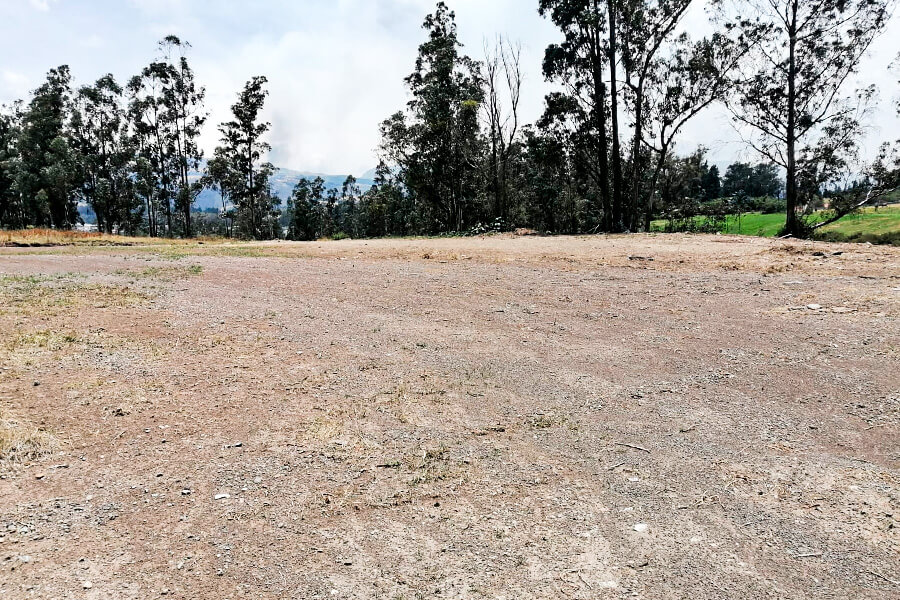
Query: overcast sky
336, 67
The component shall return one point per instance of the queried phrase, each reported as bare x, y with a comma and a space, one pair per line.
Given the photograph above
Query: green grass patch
876, 225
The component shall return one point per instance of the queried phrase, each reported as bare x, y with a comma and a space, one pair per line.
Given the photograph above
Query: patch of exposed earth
609, 417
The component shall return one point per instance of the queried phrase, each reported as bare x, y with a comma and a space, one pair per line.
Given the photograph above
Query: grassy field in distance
869, 222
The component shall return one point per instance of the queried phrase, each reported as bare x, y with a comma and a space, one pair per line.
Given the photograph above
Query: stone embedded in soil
222, 497
641, 528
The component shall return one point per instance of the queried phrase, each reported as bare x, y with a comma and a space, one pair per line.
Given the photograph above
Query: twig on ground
633, 446
880, 576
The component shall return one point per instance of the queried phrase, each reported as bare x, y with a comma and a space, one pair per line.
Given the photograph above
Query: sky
335, 67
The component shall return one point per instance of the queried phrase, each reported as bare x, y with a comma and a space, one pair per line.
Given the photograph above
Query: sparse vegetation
21, 442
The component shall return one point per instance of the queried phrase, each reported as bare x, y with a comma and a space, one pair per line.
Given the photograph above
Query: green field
871, 224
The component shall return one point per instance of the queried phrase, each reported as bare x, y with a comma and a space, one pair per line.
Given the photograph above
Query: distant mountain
283, 182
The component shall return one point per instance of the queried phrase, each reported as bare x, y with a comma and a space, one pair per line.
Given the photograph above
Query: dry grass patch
54, 237
168, 273
22, 442
48, 296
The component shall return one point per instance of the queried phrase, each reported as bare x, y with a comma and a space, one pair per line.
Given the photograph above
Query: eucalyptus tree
436, 143
101, 136
167, 115
789, 93
183, 101
48, 172
11, 215
691, 77
647, 32
242, 149
152, 135
503, 86
580, 63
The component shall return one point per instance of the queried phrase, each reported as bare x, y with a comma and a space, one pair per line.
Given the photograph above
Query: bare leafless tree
503, 83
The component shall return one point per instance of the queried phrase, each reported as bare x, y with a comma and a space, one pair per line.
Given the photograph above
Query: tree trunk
618, 216
660, 163
599, 94
634, 208
792, 225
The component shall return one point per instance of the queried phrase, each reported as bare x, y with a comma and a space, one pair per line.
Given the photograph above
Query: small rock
37, 383
642, 528
814, 306
222, 497
257, 480
87, 585
25, 558
185, 492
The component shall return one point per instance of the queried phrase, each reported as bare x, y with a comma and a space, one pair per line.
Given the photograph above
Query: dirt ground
646, 417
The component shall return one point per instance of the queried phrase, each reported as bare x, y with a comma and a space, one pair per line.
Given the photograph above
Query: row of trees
601, 157
131, 153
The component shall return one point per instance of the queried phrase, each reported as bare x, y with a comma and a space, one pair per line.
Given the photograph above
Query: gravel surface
657, 417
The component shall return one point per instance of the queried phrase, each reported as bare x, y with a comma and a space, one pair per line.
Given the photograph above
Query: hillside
283, 182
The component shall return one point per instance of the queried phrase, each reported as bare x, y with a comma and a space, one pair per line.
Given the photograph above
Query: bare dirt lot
606, 417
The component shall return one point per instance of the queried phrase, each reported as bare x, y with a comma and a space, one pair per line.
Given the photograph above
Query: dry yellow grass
51, 295
20, 442
56, 237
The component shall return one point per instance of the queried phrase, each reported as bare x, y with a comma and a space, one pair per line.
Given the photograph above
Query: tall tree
691, 77
47, 177
152, 133
243, 149
647, 29
100, 134
11, 214
788, 93
183, 101
436, 145
579, 63
503, 83
167, 115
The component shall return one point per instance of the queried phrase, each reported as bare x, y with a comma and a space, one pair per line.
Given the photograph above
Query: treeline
130, 153
458, 158
601, 157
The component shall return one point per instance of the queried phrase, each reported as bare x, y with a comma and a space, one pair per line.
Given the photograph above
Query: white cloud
13, 85
335, 67
41, 5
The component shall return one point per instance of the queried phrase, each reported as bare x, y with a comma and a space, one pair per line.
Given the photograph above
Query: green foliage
47, 175
100, 133
239, 168
306, 211
436, 145
167, 115
789, 89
